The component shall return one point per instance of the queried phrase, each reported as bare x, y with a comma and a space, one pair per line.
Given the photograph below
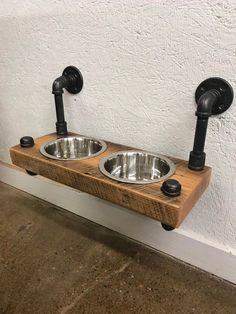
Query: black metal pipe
59, 108
204, 111
57, 89
200, 135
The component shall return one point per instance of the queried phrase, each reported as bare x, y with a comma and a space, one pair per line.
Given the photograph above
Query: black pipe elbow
206, 103
58, 85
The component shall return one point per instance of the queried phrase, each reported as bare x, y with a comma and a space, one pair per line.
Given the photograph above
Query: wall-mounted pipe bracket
72, 81
213, 96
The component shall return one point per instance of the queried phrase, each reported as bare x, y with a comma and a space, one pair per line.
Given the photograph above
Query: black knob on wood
26, 141
167, 227
171, 187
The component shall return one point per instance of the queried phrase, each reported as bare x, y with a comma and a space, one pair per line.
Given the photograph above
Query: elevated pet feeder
164, 188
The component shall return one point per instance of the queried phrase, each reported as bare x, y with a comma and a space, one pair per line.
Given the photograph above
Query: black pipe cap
26, 141
171, 188
167, 227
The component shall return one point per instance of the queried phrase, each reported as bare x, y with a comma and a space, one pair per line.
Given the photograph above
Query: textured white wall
141, 62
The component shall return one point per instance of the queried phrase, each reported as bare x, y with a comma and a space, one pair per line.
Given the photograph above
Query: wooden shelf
84, 175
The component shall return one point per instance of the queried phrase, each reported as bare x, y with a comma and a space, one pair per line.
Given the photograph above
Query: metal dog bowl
137, 167
73, 148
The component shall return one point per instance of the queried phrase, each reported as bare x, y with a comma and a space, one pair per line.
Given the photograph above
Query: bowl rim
160, 156
45, 154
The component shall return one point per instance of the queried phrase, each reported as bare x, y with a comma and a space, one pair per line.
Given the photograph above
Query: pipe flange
75, 79
223, 87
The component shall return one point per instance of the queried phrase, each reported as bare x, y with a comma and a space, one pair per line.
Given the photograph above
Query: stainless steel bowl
73, 148
137, 167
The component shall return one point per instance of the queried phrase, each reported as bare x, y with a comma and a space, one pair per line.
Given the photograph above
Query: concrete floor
52, 261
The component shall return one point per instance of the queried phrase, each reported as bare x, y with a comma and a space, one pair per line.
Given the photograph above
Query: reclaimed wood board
85, 175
